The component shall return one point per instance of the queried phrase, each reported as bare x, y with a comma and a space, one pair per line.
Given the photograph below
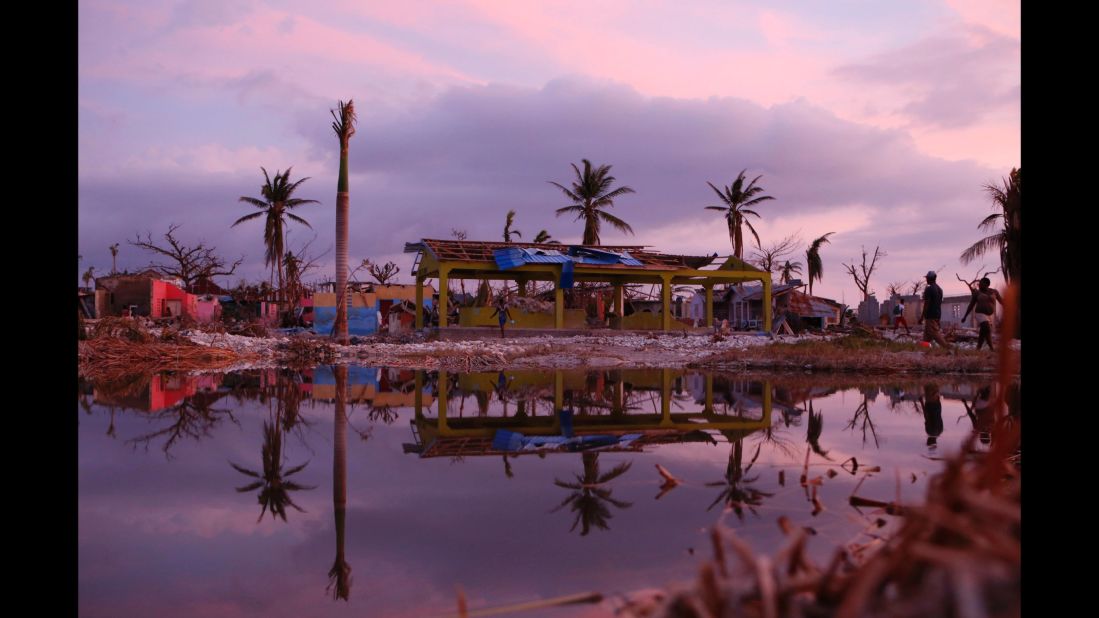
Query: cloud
465, 157
950, 80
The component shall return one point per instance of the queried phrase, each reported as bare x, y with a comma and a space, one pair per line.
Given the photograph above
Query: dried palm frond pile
530, 304
120, 347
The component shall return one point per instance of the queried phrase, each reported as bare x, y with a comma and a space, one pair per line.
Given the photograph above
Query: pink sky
195, 96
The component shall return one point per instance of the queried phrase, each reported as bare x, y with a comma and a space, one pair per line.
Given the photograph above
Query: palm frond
617, 223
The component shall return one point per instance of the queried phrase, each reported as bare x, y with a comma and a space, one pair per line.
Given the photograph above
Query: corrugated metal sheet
544, 256
507, 259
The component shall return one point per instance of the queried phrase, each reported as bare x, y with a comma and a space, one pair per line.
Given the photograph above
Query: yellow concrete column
666, 397
419, 303
666, 300
709, 305
442, 386
767, 403
558, 305
419, 393
709, 409
619, 303
444, 294
767, 304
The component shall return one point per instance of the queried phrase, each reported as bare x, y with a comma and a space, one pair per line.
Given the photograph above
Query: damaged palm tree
339, 576
591, 193
344, 126
736, 492
273, 482
589, 497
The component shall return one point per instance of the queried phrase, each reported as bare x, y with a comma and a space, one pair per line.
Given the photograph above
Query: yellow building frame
684, 421
444, 271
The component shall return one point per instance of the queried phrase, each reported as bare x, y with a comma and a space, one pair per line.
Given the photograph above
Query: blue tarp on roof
587, 255
513, 257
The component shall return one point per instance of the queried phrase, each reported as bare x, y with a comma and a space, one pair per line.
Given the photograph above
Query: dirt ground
814, 353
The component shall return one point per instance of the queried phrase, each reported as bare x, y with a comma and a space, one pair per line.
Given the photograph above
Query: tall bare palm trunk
345, 128
340, 574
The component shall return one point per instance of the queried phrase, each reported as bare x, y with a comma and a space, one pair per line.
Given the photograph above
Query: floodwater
250, 494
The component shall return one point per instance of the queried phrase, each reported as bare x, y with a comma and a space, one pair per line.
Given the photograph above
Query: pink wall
163, 291
206, 310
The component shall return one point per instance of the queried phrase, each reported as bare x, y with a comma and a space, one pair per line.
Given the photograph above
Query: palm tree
344, 126
114, 256
789, 269
1009, 199
88, 276
736, 490
588, 496
275, 205
590, 193
339, 575
274, 488
508, 232
813, 261
544, 237
738, 201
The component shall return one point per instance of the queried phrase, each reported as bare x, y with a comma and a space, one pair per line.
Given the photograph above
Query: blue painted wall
360, 320
356, 374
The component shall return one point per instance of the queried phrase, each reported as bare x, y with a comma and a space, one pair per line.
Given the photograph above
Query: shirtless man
502, 313
985, 299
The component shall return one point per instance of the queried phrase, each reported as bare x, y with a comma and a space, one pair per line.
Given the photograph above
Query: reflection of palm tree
812, 435
588, 499
339, 576
736, 491
273, 484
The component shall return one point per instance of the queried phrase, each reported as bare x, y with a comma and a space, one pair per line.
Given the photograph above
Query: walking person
932, 312
502, 313
985, 299
898, 317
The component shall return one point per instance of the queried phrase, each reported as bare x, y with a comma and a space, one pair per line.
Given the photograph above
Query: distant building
148, 293
370, 307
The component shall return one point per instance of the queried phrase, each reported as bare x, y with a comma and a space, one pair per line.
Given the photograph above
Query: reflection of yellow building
368, 393
444, 435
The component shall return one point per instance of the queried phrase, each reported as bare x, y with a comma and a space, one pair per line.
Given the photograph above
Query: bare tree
187, 263
458, 234
917, 285
382, 274
862, 274
895, 288
296, 267
972, 283
771, 259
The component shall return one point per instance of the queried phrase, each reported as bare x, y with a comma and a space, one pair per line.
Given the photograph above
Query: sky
880, 122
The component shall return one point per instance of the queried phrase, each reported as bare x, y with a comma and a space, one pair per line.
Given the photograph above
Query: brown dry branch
113, 358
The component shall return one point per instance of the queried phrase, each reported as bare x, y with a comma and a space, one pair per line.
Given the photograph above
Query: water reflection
339, 576
591, 498
273, 482
729, 440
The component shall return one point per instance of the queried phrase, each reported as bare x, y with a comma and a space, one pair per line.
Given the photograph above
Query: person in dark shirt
985, 299
932, 415
932, 312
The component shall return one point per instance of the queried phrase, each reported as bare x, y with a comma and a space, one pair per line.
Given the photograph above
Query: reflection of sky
170, 536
